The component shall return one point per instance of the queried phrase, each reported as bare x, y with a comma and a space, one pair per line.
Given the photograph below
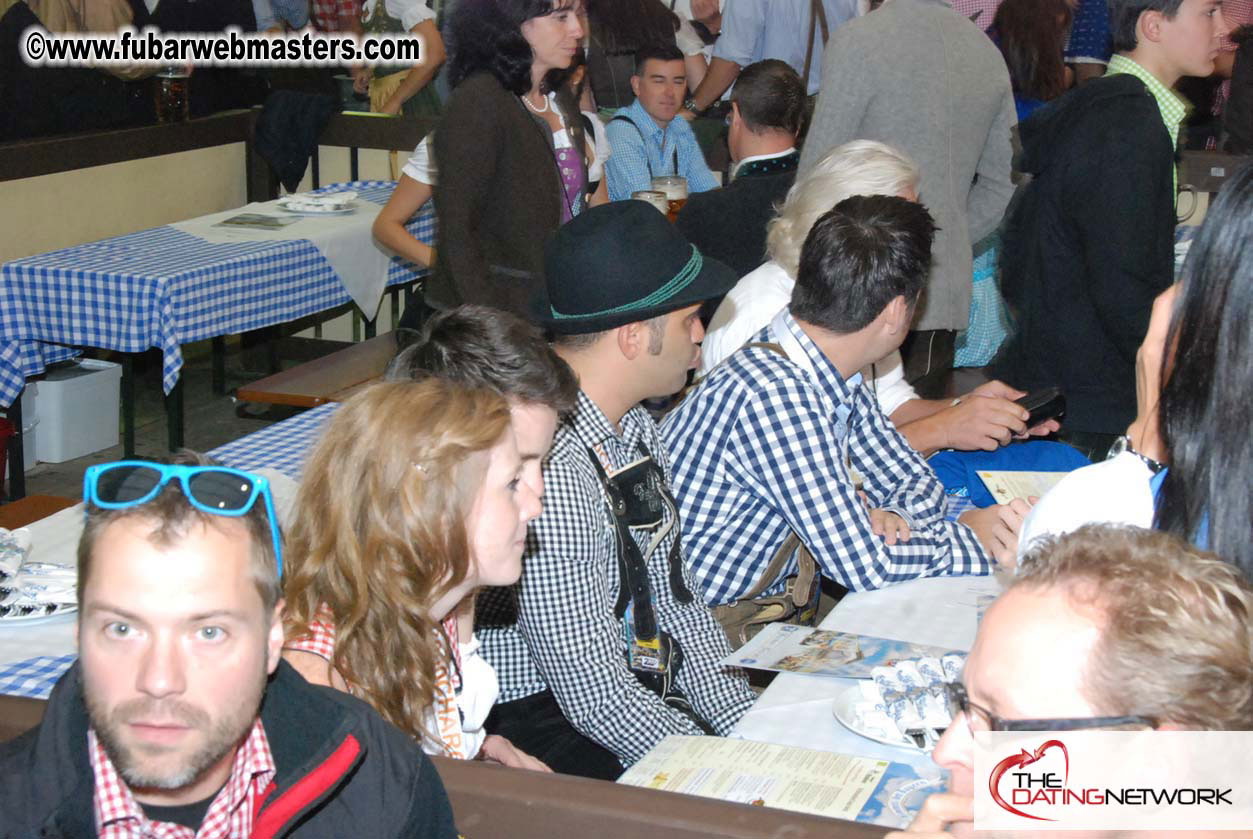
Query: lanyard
791, 347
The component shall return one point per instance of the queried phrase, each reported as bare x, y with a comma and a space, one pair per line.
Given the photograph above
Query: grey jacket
918, 76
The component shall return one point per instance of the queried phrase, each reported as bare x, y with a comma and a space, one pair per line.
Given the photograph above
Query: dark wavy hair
487, 35
624, 26
1031, 35
1206, 413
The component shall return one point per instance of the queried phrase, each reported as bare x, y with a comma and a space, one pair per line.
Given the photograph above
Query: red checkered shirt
230, 816
981, 11
328, 14
321, 638
1236, 13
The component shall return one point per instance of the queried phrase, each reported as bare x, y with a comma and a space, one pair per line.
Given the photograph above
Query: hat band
680, 281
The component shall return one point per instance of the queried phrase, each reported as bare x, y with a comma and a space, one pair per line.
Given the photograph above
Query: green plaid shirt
1172, 106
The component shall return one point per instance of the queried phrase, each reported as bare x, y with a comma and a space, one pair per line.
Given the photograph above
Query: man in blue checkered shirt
647, 137
605, 646
773, 439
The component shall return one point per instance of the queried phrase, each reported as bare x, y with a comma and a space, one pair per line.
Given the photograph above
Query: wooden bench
331, 378
32, 508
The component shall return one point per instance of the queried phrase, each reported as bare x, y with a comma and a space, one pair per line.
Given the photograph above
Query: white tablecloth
797, 709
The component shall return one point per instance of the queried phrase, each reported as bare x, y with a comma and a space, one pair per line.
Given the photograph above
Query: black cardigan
498, 198
1089, 247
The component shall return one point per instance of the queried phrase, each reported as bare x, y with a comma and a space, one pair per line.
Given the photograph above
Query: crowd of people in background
618, 443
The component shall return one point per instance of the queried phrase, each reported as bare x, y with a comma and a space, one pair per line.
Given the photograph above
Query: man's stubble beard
222, 735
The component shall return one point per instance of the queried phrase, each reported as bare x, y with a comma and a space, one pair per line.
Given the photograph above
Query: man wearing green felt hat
604, 647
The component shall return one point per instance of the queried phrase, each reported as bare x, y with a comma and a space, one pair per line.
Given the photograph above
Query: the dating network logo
1141, 779
1032, 785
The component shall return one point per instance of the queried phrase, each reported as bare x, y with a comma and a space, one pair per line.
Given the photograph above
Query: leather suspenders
817, 17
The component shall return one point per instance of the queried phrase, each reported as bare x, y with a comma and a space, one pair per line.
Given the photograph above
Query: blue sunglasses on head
212, 489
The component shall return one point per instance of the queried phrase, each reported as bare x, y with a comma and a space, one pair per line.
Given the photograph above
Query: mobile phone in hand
1045, 404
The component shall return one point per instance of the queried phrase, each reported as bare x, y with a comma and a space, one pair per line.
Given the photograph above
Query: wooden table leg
273, 334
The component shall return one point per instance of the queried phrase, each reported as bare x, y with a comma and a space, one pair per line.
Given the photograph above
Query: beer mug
655, 197
675, 189
173, 94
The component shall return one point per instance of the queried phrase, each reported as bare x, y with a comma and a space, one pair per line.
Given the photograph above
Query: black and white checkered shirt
556, 628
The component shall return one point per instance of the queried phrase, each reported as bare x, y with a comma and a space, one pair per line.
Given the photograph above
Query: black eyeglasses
959, 702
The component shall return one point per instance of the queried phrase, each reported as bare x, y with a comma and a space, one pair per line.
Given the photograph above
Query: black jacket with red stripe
341, 770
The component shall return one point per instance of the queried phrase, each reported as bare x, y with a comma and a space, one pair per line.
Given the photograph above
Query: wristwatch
689, 104
1123, 444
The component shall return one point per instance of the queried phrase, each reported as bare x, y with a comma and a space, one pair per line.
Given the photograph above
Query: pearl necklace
526, 98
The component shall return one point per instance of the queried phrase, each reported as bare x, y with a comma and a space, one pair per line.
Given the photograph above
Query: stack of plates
336, 203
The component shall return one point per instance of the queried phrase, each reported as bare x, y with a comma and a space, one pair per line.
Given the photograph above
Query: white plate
843, 710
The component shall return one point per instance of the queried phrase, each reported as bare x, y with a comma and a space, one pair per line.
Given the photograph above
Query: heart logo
1024, 758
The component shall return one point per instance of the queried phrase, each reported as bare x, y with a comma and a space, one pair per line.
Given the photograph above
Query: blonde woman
412, 500
862, 167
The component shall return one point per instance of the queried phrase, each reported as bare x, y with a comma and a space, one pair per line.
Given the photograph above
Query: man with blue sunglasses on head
179, 719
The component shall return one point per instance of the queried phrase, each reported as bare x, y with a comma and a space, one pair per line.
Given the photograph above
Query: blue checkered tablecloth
164, 288
282, 446
34, 677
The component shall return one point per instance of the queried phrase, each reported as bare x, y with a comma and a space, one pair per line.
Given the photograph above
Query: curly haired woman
411, 501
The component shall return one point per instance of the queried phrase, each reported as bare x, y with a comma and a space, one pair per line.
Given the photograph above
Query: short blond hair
862, 167
1176, 642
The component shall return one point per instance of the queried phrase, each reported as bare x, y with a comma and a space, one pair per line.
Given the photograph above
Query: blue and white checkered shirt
637, 156
556, 628
763, 447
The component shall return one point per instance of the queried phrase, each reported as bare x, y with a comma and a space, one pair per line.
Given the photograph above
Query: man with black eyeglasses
1104, 628
180, 720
